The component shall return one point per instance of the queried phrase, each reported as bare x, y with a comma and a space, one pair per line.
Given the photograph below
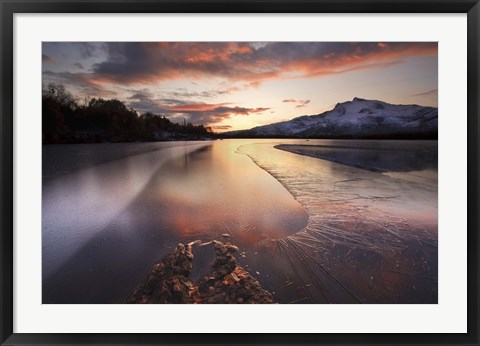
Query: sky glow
239, 85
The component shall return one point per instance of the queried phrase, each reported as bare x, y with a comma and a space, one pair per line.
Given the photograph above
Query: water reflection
104, 226
310, 229
81, 201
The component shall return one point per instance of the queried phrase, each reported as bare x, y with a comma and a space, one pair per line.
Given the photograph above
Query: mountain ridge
359, 118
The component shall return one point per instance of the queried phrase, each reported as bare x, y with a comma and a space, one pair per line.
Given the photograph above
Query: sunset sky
232, 86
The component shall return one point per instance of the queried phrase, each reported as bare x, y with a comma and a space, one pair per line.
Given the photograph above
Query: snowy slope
355, 118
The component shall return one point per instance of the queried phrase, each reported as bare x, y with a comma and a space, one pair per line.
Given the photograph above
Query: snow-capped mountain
358, 118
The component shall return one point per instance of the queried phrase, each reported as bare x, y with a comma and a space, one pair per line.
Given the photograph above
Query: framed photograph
239, 172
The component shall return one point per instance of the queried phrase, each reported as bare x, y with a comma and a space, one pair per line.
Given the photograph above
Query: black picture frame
10, 7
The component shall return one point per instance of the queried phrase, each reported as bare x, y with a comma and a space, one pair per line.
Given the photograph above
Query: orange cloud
195, 107
386, 55
236, 65
154, 62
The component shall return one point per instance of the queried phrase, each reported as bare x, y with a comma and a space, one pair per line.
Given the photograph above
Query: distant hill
358, 118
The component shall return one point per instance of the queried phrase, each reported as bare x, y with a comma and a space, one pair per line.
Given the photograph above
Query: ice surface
371, 237
104, 225
310, 229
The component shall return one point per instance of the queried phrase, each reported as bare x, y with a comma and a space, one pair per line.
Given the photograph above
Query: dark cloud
140, 62
144, 101
90, 49
195, 94
433, 92
221, 127
80, 66
240, 65
300, 103
141, 95
197, 113
78, 81
205, 113
174, 102
240, 110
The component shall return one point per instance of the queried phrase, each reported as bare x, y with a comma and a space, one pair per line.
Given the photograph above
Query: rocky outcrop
168, 283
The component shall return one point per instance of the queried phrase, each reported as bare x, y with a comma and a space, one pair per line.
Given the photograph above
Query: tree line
65, 120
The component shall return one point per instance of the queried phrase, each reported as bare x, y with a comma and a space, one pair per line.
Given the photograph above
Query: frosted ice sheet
370, 237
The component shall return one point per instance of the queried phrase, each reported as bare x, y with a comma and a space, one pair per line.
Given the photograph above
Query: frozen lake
317, 221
